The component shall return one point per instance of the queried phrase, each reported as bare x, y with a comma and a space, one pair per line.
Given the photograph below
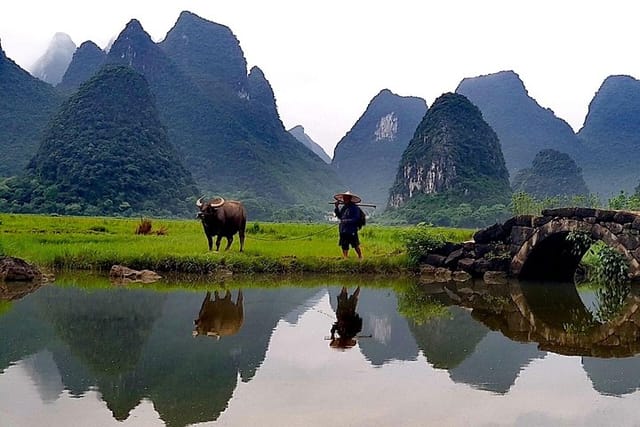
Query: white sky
326, 59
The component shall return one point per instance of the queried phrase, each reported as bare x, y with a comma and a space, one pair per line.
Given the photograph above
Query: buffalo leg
229, 241
210, 240
241, 234
218, 239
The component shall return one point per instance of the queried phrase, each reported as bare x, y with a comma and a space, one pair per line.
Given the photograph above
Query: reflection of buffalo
220, 317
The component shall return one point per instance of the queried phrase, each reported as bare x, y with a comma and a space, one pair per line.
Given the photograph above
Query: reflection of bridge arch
554, 317
575, 334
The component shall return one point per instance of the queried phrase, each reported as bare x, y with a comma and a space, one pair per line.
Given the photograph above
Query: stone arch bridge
536, 247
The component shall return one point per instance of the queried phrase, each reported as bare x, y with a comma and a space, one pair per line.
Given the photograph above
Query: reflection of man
348, 322
221, 316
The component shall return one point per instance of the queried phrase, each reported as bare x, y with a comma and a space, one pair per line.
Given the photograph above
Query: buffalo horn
217, 205
199, 201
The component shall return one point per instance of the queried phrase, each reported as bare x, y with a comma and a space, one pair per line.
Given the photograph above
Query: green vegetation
26, 105
443, 211
626, 202
98, 243
104, 153
452, 172
414, 304
552, 174
526, 204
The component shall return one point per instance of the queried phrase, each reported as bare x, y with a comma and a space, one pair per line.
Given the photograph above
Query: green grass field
96, 243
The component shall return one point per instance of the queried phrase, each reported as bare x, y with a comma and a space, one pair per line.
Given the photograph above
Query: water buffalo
222, 219
220, 317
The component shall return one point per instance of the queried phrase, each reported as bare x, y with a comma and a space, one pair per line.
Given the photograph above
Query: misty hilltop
51, 66
522, 125
299, 133
611, 137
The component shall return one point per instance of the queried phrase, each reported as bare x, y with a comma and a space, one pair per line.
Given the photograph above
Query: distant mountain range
367, 157
299, 133
222, 120
224, 124
522, 125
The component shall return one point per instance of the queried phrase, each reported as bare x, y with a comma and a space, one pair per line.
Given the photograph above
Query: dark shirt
349, 216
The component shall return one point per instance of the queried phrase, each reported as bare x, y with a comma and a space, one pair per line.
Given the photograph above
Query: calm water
75, 354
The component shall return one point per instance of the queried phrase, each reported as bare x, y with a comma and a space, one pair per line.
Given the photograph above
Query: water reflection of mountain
448, 341
391, 338
135, 344
495, 364
472, 353
613, 376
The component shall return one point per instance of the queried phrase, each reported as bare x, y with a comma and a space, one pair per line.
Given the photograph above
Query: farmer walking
351, 219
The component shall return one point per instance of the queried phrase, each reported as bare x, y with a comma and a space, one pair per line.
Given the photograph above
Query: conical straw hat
354, 197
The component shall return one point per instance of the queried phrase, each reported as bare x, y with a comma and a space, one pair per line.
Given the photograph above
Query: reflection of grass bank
5, 306
98, 243
415, 304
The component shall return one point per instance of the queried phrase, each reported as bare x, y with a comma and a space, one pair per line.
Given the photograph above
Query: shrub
420, 241
144, 227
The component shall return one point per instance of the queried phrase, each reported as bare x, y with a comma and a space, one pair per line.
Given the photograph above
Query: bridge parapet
523, 239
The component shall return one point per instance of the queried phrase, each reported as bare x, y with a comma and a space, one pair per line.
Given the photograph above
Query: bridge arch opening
553, 258
547, 254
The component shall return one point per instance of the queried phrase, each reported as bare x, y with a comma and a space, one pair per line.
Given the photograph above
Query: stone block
629, 241
442, 275
493, 233
539, 221
453, 258
622, 217
495, 278
614, 227
460, 276
18, 270
466, 264
435, 260
583, 213
519, 235
560, 212
482, 250
603, 215
590, 219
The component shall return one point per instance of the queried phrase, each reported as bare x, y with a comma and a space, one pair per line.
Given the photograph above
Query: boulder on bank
18, 270
121, 274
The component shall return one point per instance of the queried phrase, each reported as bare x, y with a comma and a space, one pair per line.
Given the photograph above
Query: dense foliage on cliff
105, 152
367, 157
553, 174
453, 162
26, 104
522, 125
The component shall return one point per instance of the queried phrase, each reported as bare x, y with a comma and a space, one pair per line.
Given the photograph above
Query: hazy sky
326, 59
